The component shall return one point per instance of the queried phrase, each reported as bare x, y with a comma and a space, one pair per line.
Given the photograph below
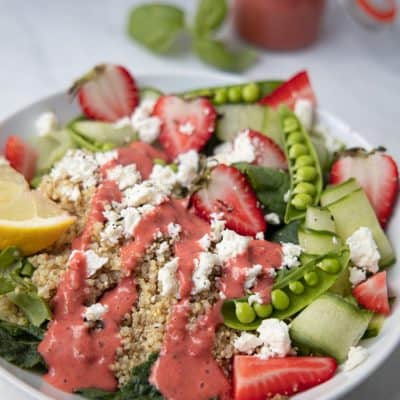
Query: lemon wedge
28, 219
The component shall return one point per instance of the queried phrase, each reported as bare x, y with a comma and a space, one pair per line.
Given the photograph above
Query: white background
44, 45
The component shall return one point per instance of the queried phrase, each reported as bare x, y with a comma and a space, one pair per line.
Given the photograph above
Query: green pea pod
296, 301
304, 165
35, 308
219, 95
8, 257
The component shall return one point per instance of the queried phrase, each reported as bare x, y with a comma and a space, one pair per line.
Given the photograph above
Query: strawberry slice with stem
376, 172
257, 379
373, 294
185, 125
106, 93
21, 156
297, 87
228, 192
267, 152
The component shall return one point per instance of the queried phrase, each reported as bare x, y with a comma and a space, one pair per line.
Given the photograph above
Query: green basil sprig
210, 16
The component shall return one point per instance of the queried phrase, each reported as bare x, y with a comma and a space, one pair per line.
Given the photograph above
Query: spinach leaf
156, 26
137, 388
287, 233
217, 53
18, 344
270, 186
209, 16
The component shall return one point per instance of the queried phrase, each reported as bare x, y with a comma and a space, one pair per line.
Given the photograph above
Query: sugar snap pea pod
250, 92
286, 293
304, 166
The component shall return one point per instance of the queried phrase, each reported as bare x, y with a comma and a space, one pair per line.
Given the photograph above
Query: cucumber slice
149, 93
236, 117
354, 211
318, 243
324, 156
375, 326
104, 132
319, 219
342, 286
335, 192
272, 127
330, 325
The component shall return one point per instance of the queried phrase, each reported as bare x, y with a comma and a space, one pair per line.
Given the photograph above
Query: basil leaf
209, 16
156, 26
217, 54
18, 344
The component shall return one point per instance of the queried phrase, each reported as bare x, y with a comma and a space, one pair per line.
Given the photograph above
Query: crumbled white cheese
167, 278
144, 193
94, 262
188, 166
275, 337
162, 250
164, 176
147, 126
304, 111
331, 143
107, 156
356, 356
357, 275
205, 242
112, 233
286, 196
95, 312
186, 129
131, 218
260, 235
290, 255
247, 343
203, 267
255, 298
70, 192
79, 166
363, 250
240, 150
125, 176
231, 245
47, 123
217, 226
273, 218
251, 275
174, 230
272, 273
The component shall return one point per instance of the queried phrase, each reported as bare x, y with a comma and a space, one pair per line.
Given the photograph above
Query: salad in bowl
216, 243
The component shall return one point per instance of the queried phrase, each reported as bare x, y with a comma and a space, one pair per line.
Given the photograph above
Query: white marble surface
356, 74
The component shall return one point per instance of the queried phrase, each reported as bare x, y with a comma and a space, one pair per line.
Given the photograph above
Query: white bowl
22, 123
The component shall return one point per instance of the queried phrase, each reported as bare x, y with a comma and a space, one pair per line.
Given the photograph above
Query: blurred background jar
279, 24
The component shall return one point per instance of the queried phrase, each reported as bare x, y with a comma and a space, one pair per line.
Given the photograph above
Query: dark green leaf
287, 234
9, 256
18, 344
156, 26
98, 394
270, 186
217, 54
209, 16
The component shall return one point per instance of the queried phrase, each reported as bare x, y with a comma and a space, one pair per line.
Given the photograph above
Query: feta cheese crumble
247, 343
275, 337
286, 196
260, 235
47, 123
217, 226
251, 275
273, 218
204, 266
231, 245
163, 176
304, 111
255, 298
291, 253
94, 262
188, 166
357, 275
131, 218
356, 356
107, 156
167, 278
95, 312
125, 176
174, 230
205, 242
363, 250
147, 126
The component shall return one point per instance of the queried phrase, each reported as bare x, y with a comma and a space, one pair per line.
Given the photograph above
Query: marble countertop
356, 74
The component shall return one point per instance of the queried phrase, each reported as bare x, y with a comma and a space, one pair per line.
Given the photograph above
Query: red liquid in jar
279, 24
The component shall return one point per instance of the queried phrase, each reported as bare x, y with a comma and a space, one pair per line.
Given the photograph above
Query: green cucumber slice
335, 192
319, 219
149, 93
330, 325
318, 243
375, 326
271, 126
354, 211
103, 132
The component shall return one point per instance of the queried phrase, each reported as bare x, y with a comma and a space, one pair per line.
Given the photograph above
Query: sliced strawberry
21, 156
186, 125
268, 153
373, 294
107, 93
228, 192
376, 172
297, 87
257, 379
